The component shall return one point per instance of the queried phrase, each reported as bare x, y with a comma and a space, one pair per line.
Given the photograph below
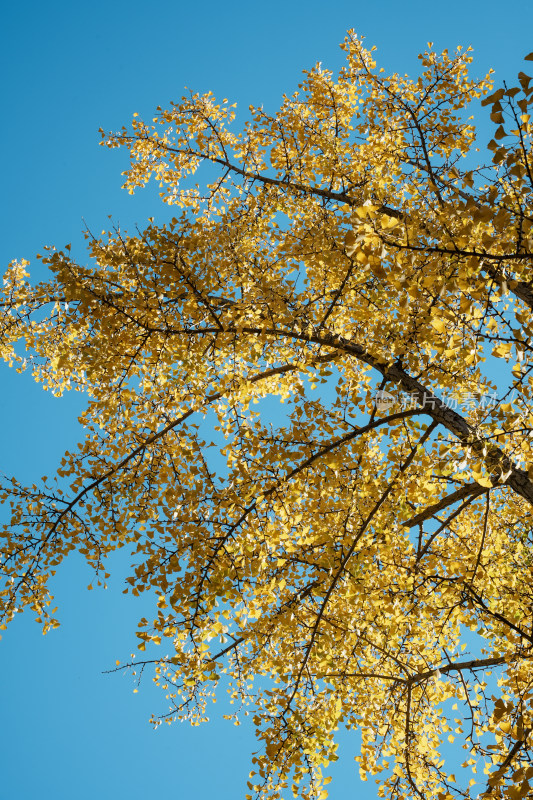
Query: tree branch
466, 490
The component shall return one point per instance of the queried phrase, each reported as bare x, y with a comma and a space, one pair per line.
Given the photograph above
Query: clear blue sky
68, 731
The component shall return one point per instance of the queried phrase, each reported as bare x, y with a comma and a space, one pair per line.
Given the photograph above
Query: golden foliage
326, 549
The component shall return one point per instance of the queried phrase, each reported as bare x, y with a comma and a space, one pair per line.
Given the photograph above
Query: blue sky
69, 730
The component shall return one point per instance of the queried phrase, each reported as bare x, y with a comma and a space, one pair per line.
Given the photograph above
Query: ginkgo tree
309, 422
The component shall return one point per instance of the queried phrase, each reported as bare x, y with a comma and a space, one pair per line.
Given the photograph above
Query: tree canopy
310, 423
